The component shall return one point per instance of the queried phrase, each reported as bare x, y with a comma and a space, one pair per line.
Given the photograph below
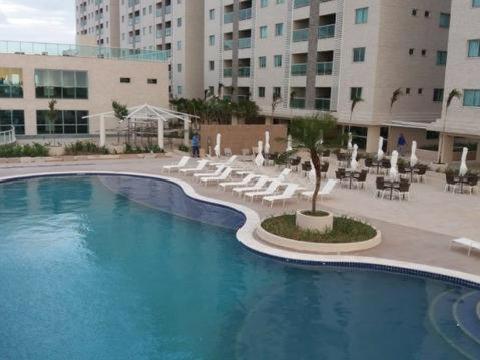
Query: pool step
454, 315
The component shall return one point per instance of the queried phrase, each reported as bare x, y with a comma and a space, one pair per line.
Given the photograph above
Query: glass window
355, 93
263, 32
441, 57
473, 48
66, 122
15, 118
262, 61
279, 29
277, 60
359, 54
264, 3
211, 40
261, 91
361, 15
68, 88
61, 84
11, 83
277, 92
211, 14
444, 20
471, 97
475, 3
438, 95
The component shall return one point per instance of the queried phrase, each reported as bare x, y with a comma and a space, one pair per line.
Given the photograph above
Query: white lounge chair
259, 185
183, 161
210, 174
271, 189
326, 191
200, 166
215, 179
245, 182
467, 243
283, 174
288, 193
229, 162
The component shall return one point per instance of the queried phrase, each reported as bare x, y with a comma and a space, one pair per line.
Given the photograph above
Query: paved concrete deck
418, 231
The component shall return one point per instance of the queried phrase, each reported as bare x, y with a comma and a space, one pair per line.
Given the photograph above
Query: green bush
129, 149
16, 150
183, 148
85, 148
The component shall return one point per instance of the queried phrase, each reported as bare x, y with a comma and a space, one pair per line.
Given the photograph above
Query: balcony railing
326, 31
168, 9
245, 14
135, 20
244, 71
245, 43
99, 32
301, 3
299, 69
8, 137
322, 104
98, 2
227, 72
297, 103
83, 22
227, 45
300, 35
228, 18
325, 68
11, 91
133, 39
133, 2
158, 12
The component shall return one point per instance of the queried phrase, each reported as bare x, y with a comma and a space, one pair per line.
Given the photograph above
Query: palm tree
395, 97
355, 101
312, 133
454, 94
246, 109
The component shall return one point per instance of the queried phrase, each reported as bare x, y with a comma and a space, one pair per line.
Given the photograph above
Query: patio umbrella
217, 145
354, 162
413, 157
267, 142
289, 143
393, 172
259, 160
349, 145
380, 149
463, 165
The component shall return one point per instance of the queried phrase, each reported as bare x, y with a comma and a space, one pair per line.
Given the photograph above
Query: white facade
97, 22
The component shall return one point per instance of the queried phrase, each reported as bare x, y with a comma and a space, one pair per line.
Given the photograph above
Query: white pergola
147, 113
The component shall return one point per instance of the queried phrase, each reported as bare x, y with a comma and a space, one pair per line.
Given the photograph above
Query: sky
38, 20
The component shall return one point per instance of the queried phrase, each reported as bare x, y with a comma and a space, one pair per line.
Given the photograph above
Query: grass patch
345, 230
16, 150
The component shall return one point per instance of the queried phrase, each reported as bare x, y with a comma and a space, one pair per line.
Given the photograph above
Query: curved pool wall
245, 221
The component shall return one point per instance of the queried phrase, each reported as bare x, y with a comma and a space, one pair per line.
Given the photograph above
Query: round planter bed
322, 222
336, 247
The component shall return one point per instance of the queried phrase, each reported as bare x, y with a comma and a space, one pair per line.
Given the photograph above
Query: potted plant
312, 134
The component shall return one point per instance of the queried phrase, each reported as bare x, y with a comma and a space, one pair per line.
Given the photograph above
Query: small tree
119, 110
312, 133
395, 97
52, 115
454, 94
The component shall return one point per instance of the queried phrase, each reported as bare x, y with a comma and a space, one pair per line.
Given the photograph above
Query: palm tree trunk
441, 139
318, 178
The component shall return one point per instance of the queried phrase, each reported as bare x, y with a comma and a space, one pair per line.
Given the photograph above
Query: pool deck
417, 231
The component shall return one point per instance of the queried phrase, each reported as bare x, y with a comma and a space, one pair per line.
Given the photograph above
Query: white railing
7, 137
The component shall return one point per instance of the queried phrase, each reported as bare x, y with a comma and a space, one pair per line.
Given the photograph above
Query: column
373, 134
102, 130
186, 131
160, 134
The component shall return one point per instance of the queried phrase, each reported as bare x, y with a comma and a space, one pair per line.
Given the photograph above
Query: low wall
238, 137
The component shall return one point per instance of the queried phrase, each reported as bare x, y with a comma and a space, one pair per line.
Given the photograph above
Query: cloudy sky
38, 20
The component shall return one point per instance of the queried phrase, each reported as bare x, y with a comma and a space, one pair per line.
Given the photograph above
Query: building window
424, 52
125, 80
179, 90
264, 3
211, 40
261, 91
263, 32
432, 135
151, 81
437, 95
179, 68
355, 93
444, 20
277, 92
67, 122
262, 62
411, 51
441, 57
211, 65
279, 29
420, 91
15, 118
414, 12
361, 15
179, 45
211, 14
359, 54
61, 84
179, 22
475, 3
11, 80
427, 13
473, 48
407, 91
471, 97
277, 60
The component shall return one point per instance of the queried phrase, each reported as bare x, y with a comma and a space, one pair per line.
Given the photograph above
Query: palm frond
395, 96
454, 94
355, 101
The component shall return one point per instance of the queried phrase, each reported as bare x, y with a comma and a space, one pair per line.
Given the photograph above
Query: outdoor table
391, 185
462, 180
411, 171
351, 175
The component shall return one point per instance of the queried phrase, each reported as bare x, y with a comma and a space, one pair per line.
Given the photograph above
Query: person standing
196, 145
401, 144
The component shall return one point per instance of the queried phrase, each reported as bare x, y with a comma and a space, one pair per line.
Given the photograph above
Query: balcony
228, 18
297, 103
99, 32
227, 45
134, 39
245, 14
135, 21
98, 2
299, 70
245, 43
99, 16
133, 2
158, 12
244, 72
301, 3
326, 31
227, 72
325, 68
300, 35
83, 22
168, 9
322, 104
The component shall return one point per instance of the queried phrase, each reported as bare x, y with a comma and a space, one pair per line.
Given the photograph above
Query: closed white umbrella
380, 152
267, 142
393, 172
354, 162
463, 165
259, 160
413, 157
350, 145
289, 143
217, 148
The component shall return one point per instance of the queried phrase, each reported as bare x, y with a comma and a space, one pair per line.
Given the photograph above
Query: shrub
183, 148
129, 149
16, 150
85, 148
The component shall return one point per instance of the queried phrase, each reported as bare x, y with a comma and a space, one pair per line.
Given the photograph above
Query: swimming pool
99, 267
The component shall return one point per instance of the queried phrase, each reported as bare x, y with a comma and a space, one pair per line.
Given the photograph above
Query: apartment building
82, 81
168, 25
97, 22
460, 123
298, 57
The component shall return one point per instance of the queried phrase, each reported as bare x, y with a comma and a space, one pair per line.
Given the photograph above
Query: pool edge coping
246, 236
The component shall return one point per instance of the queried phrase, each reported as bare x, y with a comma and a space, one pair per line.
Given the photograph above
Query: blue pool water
88, 273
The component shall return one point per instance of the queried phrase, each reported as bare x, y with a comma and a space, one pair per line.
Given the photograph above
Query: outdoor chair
245, 182
420, 174
403, 191
217, 172
216, 179
245, 152
227, 152
200, 166
326, 154
472, 182
386, 165
450, 183
288, 194
324, 169
341, 159
182, 163
325, 191
380, 186
306, 167
360, 180
369, 164
295, 162
260, 184
271, 189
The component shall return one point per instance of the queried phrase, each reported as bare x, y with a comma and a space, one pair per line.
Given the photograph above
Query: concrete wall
103, 85
238, 137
